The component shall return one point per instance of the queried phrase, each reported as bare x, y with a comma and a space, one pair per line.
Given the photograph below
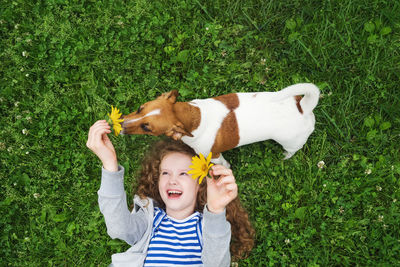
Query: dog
224, 122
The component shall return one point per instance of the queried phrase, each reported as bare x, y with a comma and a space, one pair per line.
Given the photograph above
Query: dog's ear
170, 96
177, 131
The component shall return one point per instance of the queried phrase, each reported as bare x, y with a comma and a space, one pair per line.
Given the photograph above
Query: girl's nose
173, 180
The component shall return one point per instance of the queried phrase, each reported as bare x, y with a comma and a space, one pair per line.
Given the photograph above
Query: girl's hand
222, 191
101, 145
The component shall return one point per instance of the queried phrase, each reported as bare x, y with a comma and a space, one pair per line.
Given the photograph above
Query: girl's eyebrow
180, 170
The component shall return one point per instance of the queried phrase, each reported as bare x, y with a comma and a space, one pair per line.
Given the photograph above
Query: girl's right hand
101, 145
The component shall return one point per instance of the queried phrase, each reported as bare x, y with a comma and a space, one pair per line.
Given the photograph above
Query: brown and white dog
224, 122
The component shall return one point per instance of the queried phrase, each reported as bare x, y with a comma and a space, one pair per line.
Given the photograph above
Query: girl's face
177, 188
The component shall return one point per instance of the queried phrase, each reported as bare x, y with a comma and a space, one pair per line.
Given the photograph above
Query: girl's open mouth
173, 194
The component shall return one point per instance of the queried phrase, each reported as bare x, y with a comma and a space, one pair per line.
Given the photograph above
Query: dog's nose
122, 125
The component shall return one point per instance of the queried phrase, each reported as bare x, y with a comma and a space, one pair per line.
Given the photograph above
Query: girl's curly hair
147, 186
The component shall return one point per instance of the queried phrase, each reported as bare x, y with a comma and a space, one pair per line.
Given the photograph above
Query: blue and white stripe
175, 242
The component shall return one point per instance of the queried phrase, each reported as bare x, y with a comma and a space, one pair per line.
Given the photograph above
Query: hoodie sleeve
120, 222
216, 239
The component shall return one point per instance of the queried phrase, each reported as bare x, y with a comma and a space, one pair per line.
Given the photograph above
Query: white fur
204, 136
260, 116
151, 113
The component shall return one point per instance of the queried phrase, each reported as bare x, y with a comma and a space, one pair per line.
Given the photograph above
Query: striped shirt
175, 242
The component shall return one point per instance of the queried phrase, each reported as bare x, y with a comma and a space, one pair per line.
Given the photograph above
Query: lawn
64, 63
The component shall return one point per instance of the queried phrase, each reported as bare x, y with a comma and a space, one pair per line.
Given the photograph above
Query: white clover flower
380, 218
324, 185
2, 146
25, 131
394, 200
378, 188
16, 104
9, 149
207, 28
27, 75
29, 119
368, 171
27, 152
16, 26
321, 164
341, 210
25, 54
263, 60
36, 195
287, 241
18, 117
22, 147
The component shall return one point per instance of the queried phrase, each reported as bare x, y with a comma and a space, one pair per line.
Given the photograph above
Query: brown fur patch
188, 115
298, 98
231, 101
227, 136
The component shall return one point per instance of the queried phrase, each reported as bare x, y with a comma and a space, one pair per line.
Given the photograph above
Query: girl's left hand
222, 191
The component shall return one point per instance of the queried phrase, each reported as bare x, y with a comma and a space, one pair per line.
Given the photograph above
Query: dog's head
156, 117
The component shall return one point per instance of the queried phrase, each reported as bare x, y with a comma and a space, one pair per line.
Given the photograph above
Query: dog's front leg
220, 160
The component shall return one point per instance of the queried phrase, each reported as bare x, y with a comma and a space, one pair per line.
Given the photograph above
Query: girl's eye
164, 173
184, 173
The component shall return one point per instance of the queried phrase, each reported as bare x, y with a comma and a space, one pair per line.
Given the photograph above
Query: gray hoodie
135, 227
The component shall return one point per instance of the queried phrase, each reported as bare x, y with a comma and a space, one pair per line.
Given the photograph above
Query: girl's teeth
174, 192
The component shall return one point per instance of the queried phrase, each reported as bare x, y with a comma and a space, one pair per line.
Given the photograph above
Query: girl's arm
216, 239
216, 229
121, 224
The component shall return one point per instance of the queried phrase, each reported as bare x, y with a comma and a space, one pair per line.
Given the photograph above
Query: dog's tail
310, 92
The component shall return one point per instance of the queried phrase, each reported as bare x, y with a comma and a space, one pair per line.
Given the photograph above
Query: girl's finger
224, 180
231, 187
97, 123
96, 126
100, 124
220, 170
100, 132
97, 132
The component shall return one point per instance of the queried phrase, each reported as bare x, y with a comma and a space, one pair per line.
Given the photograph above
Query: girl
174, 221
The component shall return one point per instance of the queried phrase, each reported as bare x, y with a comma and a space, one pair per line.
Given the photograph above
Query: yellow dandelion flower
116, 121
200, 166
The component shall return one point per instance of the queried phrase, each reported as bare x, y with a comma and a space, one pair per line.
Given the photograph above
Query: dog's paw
288, 155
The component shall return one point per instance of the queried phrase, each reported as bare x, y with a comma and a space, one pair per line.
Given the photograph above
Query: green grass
64, 63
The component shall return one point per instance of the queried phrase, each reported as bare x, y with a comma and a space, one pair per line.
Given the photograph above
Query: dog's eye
145, 127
